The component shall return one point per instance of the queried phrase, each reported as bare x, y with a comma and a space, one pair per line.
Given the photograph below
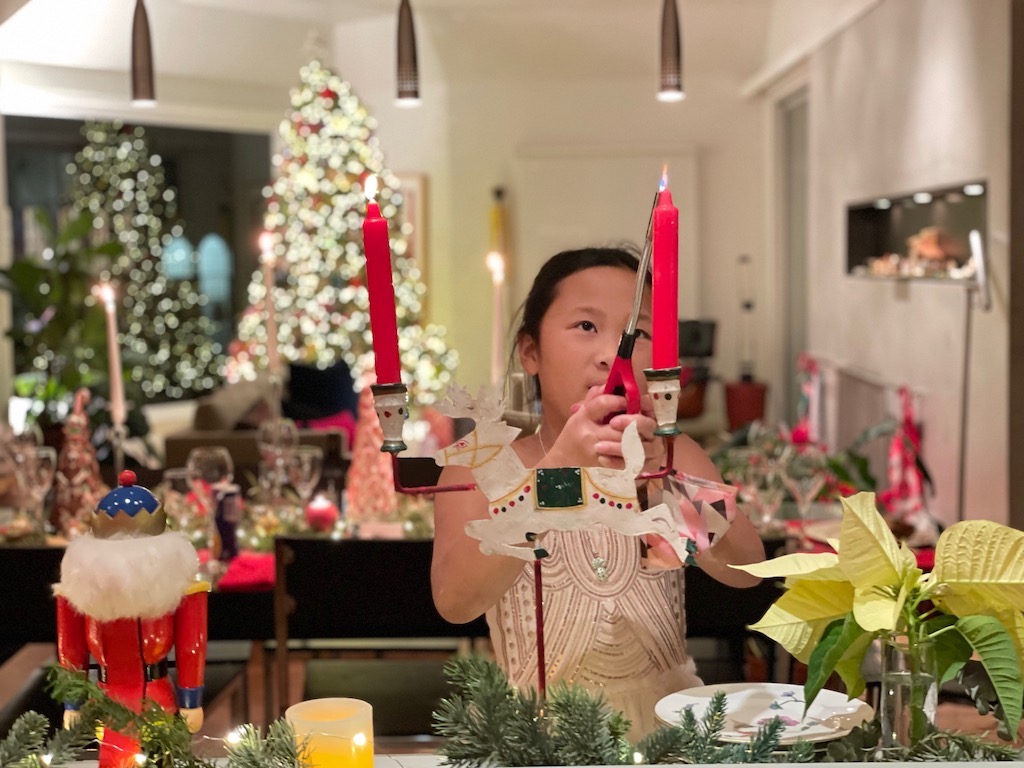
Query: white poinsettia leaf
875, 611
869, 555
801, 564
797, 619
983, 558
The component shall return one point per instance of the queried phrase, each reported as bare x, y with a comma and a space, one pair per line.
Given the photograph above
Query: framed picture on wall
413, 187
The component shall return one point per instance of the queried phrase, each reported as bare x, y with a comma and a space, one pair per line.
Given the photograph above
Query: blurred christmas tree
166, 340
315, 210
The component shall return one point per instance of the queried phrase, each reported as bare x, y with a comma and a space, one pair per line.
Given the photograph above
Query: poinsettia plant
836, 603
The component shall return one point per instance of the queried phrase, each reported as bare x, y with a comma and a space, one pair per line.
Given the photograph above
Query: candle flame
266, 244
370, 188
663, 184
359, 739
106, 291
496, 264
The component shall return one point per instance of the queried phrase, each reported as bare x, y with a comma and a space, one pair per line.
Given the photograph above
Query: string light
115, 178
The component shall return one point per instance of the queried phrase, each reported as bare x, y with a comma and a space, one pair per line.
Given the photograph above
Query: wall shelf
921, 235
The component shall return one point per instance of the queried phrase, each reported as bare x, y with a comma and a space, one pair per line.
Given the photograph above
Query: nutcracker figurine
128, 593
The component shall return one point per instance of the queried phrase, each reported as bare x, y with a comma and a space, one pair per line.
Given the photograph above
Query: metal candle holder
663, 386
391, 401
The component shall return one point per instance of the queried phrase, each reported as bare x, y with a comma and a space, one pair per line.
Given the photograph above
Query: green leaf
76, 229
839, 636
994, 646
849, 667
951, 649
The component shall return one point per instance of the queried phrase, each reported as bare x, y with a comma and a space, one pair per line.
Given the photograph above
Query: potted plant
58, 331
870, 588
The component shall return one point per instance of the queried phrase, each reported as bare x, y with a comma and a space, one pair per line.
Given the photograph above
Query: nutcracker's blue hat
130, 510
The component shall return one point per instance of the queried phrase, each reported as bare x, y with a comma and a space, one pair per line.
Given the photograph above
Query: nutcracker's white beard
127, 577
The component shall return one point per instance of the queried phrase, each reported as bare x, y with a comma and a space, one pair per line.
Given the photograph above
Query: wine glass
210, 471
182, 512
765, 482
35, 467
274, 438
304, 464
805, 475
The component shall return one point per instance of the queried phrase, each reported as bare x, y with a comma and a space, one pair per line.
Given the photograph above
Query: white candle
269, 309
496, 265
117, 406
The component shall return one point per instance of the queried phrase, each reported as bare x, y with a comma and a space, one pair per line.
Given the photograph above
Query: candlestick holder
663, 387
391, 401
276, 394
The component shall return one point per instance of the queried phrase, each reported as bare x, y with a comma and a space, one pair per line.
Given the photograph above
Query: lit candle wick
371, 188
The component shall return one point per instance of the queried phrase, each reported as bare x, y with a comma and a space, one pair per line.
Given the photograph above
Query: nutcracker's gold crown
129, 510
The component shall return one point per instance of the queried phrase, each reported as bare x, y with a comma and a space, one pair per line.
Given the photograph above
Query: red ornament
327, 93
127, 477
321, 514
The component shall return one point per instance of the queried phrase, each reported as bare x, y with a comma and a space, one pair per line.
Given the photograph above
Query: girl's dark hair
545, 285
561, 266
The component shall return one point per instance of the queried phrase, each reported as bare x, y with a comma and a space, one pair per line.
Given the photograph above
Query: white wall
470, 136
491, 124
915, 95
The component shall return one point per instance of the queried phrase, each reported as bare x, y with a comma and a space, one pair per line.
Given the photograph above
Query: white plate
822, 530
751, 705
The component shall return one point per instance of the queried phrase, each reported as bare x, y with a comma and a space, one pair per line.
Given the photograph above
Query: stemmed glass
35, 467
304, 464
210, 470
765, 482
805, 476
275, 438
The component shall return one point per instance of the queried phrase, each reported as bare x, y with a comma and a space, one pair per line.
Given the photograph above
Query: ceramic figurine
129, 593
78, 483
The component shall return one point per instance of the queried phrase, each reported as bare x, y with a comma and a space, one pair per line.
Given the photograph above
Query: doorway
792, 115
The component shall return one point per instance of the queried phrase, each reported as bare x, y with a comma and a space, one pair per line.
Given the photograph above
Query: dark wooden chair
374, 594
723, 613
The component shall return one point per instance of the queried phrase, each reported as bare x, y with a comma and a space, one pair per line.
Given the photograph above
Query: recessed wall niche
923, 234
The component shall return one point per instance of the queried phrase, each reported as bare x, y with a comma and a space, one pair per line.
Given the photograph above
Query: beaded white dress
609, 624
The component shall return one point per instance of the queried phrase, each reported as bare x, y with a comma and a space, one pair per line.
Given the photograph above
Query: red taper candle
665, 262
383, 323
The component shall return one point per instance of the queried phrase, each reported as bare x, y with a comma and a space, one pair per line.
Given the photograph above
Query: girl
614, 619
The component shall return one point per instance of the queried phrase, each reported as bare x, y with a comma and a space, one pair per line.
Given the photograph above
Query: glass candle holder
337, 732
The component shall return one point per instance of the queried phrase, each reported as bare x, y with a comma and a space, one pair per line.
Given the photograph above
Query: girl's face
579, 336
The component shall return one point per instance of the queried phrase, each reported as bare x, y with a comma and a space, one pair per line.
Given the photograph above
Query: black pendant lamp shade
408, 71
143, 89
671, 87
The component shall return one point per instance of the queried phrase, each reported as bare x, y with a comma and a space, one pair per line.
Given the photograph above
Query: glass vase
910, 691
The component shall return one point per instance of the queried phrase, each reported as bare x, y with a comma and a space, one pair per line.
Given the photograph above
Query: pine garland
486, 723
163, 737
863, 744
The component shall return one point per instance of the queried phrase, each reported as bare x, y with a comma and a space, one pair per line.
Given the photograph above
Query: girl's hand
585, 430
654, 446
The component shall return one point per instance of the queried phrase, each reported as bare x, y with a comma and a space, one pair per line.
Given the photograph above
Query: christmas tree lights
314, 214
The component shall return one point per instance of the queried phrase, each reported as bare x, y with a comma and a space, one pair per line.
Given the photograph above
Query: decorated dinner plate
822, 530
751, 705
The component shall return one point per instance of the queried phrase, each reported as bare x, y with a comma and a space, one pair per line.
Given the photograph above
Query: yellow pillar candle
338, 733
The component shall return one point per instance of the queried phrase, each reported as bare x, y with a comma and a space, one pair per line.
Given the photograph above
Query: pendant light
408, 71
671, 88
143, 89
